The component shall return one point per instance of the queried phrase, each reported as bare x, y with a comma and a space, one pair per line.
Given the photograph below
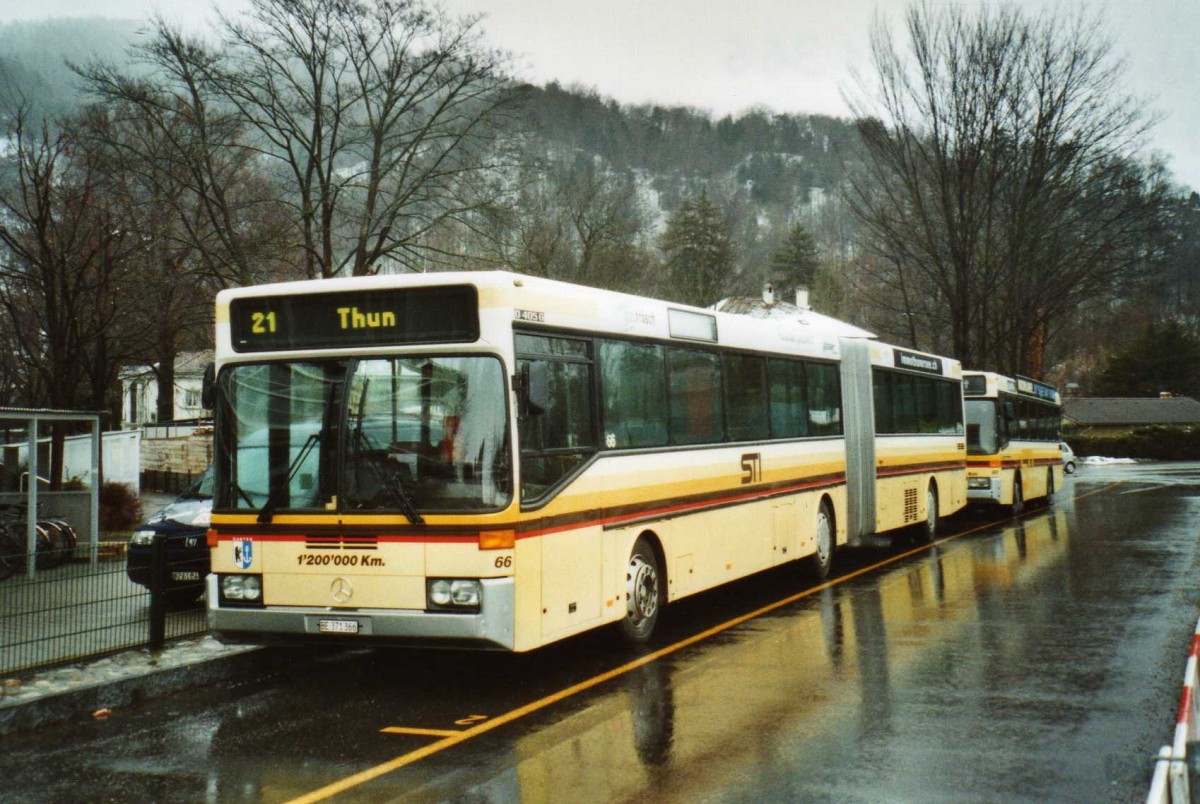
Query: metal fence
72, 610
1176, 777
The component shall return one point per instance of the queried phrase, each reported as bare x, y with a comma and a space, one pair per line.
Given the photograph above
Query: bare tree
1002, 188
222, 217
65, 223
381, 113
572, 220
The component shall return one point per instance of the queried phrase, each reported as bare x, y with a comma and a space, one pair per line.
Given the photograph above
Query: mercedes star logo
341, 590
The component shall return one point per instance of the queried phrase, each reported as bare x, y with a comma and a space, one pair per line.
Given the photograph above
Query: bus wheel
643, 593
930, 531
1018, 500
822, 560
1049, 485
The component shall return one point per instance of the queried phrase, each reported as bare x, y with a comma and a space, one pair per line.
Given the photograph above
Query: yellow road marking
470, 719
454, 738
419, 732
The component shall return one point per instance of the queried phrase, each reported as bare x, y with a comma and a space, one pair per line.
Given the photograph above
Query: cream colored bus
491, 460
1013, 439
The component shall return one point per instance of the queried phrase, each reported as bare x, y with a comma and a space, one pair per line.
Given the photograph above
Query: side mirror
208, 390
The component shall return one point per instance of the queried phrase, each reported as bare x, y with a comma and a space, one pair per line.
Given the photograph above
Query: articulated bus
1013, 439
489, 460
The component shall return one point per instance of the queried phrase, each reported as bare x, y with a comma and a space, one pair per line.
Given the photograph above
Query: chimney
802, 297
769, 295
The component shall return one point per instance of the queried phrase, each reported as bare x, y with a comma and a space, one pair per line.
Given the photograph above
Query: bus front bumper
491, 628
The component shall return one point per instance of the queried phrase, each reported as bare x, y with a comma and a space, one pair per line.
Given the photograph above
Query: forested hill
958, 256
769, 163
777, 157
34, 59
764, 171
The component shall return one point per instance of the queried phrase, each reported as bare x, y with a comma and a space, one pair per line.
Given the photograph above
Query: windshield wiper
268, 509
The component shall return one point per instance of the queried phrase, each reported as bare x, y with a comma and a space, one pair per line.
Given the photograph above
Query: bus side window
1008, 422
694, 383
789, 413
950, 408
746, 398
557, 432
882, 393
824, 400
633, 380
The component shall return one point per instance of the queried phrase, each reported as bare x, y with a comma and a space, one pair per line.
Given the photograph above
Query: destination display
916, 362
974, 385
1038, 389
383, 317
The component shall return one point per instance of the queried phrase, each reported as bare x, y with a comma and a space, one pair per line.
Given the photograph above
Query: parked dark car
184, 524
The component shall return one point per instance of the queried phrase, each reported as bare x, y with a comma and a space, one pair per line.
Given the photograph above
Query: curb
82, 703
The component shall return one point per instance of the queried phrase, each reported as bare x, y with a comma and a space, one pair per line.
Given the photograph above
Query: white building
139, 390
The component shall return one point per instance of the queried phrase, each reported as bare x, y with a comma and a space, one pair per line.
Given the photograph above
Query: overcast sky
730, 55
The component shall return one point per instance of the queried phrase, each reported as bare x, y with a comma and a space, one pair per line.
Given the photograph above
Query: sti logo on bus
243, 553
915, 362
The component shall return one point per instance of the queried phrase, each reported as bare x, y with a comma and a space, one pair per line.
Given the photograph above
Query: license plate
337, 626
185, 576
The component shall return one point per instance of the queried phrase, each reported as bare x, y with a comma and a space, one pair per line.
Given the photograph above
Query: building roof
1107, 410
186, 364
756, 308
193, 362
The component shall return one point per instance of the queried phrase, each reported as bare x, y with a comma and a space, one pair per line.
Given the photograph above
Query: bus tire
1018, 499
1049, 485
929, 531
643, 592
826, 538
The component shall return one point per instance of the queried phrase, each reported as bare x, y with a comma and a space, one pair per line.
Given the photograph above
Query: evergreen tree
795, 263
699, 252
1165, 358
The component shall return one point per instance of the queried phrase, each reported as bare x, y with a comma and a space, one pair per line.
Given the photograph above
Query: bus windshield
982, 432
382, 434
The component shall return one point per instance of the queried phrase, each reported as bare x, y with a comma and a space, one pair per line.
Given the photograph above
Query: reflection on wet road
1038, 659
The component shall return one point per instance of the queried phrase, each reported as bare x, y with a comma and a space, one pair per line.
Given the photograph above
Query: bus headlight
453, 593
979, 482
241, 589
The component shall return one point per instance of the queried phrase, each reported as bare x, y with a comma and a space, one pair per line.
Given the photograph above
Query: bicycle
66, 539
56, 541
12, 552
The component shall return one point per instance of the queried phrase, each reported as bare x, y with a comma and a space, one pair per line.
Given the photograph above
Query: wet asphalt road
1035, 659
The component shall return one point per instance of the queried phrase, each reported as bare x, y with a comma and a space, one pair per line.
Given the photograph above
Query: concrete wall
169, 464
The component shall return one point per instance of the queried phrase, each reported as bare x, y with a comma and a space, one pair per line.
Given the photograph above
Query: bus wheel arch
825, 535
645, 588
